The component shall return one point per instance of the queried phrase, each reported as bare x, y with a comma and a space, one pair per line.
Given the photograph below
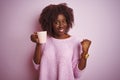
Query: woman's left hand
85, 45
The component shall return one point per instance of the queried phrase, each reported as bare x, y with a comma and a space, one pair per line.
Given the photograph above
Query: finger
34, 37
87, 41
37, 40
35, 32
31, 37
87, 55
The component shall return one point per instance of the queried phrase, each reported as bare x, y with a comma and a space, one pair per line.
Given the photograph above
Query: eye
56, 22
64, 22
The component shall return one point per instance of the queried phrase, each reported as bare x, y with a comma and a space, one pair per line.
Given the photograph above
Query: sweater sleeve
75, 60
37, 66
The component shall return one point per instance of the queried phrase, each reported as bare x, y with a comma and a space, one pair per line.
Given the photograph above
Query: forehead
61, 17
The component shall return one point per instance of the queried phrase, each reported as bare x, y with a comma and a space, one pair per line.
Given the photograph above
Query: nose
61, 25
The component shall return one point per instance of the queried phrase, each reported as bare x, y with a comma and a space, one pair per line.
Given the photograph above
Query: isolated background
97, 20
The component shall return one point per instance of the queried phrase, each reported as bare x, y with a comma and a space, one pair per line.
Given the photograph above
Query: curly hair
49, 15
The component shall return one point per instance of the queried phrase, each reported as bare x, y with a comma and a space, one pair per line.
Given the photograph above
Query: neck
62, 36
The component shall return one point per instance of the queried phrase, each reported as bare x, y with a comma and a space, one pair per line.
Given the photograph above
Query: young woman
62, 57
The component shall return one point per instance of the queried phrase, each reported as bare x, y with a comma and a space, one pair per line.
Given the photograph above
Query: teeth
61, 30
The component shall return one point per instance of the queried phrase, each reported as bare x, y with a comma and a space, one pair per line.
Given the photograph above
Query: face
60, 26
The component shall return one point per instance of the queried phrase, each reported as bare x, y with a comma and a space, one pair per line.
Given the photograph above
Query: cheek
54, 28
67, 29
66, 26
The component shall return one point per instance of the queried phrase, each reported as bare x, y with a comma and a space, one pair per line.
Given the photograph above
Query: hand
85, 45
34, 38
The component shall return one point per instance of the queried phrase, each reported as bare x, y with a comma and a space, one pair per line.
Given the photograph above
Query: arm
83, 58
37, 53
82, 61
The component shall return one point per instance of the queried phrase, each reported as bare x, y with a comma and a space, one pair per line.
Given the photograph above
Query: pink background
97, 20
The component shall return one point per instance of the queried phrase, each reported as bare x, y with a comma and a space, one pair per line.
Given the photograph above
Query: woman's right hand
34, 38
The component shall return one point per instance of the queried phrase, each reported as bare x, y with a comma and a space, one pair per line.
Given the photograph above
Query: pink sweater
60, 59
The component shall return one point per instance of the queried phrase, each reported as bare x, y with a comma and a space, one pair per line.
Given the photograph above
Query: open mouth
61, 30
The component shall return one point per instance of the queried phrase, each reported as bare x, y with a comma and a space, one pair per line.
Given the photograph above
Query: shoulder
75, 39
